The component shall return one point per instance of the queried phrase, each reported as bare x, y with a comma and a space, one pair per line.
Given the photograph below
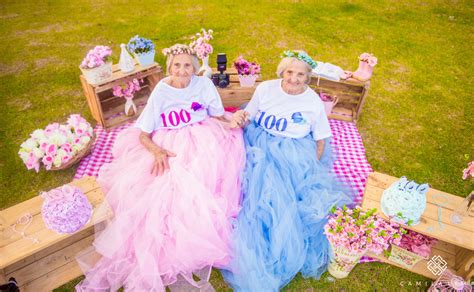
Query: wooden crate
351, 94
106, 108
50, 263
455, 241
234, 95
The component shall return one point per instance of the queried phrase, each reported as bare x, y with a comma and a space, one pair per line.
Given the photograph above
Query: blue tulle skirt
287, 195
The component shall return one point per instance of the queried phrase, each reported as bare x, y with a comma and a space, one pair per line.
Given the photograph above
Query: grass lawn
416, 120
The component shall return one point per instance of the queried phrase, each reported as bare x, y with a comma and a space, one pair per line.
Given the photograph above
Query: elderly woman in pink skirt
174, 188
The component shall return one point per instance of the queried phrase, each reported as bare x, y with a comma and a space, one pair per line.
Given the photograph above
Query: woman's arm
161, 155
320, 148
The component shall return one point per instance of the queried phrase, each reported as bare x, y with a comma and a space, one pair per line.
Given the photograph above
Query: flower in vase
200, 43
245, 67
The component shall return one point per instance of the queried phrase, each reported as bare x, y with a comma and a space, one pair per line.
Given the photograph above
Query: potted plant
97, 65
127, 91
58, 146
352, 233
412, 248
328, 101
143, 49
201, 46
248, 72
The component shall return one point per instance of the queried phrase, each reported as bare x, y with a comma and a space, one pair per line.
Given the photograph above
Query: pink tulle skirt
167, 228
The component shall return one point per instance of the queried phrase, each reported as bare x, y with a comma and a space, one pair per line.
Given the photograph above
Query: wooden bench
50, 263
351, 94
455, 241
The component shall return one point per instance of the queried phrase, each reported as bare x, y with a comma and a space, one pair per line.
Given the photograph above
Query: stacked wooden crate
106, 108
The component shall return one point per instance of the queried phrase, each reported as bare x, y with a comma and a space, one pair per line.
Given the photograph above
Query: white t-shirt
283, 114
172, 108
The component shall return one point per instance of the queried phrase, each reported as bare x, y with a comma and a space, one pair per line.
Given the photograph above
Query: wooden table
50, 263
455, 241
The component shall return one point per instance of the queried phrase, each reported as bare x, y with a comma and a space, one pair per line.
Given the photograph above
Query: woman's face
294, 77
182, 68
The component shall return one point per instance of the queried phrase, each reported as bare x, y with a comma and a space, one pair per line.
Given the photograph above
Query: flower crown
178, 49
302, 56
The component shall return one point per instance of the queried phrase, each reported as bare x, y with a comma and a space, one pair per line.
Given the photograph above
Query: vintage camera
221, 79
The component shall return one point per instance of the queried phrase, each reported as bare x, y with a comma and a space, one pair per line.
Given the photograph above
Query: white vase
126, 63
146, 59
205, 70
99, 74
247, 80
329, 105
342, 261
130, 107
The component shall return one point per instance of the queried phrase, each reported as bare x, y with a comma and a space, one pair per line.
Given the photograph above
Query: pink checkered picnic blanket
350, 166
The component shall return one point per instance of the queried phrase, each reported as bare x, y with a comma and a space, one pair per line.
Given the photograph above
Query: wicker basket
84, 152
404, 257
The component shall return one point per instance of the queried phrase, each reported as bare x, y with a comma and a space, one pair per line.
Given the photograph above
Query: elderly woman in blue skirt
288, 189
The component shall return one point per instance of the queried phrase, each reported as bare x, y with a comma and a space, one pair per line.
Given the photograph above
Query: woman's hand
239, 119
161, 163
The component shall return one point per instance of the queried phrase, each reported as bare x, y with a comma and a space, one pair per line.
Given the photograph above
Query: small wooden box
351, 94
51, 262
106, 108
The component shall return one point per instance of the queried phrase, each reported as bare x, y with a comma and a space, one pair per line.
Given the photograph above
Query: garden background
415, 122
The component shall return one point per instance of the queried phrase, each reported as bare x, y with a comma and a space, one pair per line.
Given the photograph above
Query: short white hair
287, 61
194, 61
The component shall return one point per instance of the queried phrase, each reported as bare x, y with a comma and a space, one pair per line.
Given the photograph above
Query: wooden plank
384, 181
374, 193
54, 278
61, 257
50, 250
336, 85
120, 81
118, 74
18, 248
90, 97
119, 120
449, 233
420, 268
362, 100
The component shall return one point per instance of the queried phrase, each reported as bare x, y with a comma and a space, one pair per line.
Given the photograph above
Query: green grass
416, 120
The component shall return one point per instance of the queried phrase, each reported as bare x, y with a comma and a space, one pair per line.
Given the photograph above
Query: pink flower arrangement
128, 89
369, 58
417, 243
200, 43
244, 67
326, 97
360, 231
96, 57
469, 171
56, 144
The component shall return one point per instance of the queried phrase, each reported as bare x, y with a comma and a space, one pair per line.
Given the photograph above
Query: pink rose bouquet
200, 43
359, 231
56, 144
96, 57
245, 67
127, 90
